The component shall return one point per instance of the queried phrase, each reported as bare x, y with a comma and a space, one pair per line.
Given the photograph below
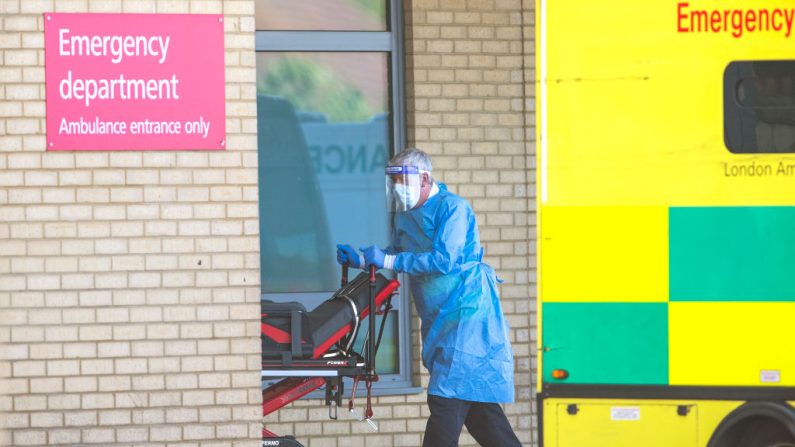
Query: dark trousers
486, 423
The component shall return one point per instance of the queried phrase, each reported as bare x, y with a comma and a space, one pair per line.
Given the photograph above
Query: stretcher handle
371, 335
344, 279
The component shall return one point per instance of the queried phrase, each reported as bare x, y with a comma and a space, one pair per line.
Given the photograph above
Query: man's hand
346, 253
373, 256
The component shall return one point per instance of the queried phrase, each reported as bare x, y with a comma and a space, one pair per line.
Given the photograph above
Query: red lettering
726, 13
750, 20
763, 18
734, 21
776, 12
715, 22
680, 16
700, 18
737, 23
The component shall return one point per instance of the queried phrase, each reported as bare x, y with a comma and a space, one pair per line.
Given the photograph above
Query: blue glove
373, 256
346, 253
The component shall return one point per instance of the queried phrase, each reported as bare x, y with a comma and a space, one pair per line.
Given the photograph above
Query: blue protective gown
465, 336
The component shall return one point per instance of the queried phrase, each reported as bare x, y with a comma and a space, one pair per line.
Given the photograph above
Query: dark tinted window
759, 106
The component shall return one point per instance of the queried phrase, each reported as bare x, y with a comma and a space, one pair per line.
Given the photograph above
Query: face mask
408, 196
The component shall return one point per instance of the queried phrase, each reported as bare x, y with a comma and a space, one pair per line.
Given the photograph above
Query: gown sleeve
449, 239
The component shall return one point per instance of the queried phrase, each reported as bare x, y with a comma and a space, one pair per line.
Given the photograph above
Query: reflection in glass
321, 15
323, 143
386, 360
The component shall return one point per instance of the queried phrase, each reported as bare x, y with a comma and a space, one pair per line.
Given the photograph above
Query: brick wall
129, 281
471, 106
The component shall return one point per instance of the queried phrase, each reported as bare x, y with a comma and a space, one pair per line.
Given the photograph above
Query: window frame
390, 42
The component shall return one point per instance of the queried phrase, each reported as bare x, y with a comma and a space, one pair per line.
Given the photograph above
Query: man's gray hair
412, 157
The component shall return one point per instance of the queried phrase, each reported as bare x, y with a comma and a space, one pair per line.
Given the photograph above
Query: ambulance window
759, 107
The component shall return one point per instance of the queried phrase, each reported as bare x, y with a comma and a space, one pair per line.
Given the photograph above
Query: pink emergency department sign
134, 81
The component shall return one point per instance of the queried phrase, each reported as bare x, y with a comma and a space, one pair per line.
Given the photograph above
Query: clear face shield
403, 187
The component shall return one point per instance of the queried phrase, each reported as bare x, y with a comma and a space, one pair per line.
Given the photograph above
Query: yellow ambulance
666, 218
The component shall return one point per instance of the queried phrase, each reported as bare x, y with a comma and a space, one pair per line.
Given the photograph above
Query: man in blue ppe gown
466, 349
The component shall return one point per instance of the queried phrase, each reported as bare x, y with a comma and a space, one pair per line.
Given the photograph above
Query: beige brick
45, 213
148, 416
181, 415
161, 229
36, 420
134, 400
232, 431
215, 414
29, 368
43, 282
13, 352
162, 296
16, 420
131, 195
145, 245
146, 348
129, 297
98, 435
30, 403
30, 437
97, 401
20, 23
114, 383
149, 382
61, 264
115, 417
209, 211
164, 365
64, 402
198, 398
202, 431
196, 364
80, 384
181, 347
126, 159
110, 212
96, 366
64, 436
95, 332
132, 434
112, 349
165, 433
91, 160
20, 57
26, 265
178, 279
182, 381
147, 314
111, 281
73, 213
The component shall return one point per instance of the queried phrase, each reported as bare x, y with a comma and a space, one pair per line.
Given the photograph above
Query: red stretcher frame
290, 389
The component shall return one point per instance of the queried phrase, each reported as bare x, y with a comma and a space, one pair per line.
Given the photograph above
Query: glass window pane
324, 139
386, 360
321, 15
759, 106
